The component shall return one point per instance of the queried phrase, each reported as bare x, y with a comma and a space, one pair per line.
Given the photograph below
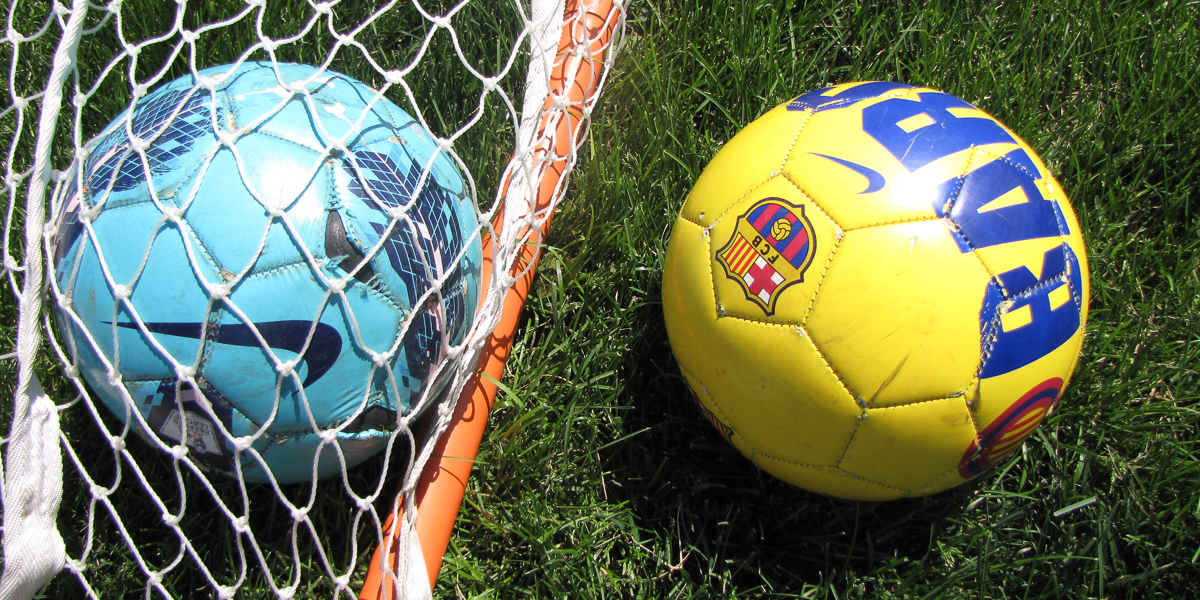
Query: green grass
603, 480
599, 477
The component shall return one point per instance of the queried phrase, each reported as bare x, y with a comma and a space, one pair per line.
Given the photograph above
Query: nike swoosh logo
280, 335
875, 180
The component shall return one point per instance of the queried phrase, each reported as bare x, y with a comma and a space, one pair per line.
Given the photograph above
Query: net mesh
124, 512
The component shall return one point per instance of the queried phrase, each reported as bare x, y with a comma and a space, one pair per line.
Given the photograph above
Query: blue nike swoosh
280, 335
875, 180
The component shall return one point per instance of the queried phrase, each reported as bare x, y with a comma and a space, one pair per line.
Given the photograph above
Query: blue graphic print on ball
969, 195
1055, 304
941, 133
287, 270
835, 97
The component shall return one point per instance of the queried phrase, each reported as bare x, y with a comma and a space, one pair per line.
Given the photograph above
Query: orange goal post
587, 36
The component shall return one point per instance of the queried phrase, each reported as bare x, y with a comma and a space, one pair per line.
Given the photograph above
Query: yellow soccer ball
876, 291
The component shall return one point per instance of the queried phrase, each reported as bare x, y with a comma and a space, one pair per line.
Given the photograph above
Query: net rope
133, 504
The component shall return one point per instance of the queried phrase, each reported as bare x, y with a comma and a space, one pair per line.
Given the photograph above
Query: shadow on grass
708, 513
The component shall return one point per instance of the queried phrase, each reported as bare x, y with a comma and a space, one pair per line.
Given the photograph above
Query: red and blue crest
771, 247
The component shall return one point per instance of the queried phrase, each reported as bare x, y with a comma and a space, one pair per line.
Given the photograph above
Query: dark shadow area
719, 515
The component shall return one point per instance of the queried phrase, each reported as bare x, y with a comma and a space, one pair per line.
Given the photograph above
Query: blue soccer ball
286, 272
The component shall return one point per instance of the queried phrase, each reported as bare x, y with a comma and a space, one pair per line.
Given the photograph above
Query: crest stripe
799, 241
766, 216
740, 256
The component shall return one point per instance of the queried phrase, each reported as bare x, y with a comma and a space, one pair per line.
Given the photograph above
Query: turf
599, 477
603, 480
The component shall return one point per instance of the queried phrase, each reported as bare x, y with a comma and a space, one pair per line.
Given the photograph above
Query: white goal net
246, 242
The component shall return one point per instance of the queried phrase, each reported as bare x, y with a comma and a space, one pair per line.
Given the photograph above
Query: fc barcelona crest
771, 247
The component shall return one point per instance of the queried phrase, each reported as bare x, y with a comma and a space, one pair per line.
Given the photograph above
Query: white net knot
490, 84
561, 101
256, 3
444, 144
363, 504
10, 264
117, 442
173, 213
183, 372
241, 524
337, 146
342, 581
71, 371
273, 209
394, 76
381, 359
154, 578
120, 291
225, 592
299, 512
139, 145
441, 22
337, 285
397, 212
268, 44
114, 7
170, 520
227, 138
74, 566
14, 36
208, 82
79, 100
179, 452
86, 214
243, 443
188, 35
328, 436
20, 103
287, 593
132, 50
61, 10
286, 368
140, 90
218, 291
98, 492
323, 7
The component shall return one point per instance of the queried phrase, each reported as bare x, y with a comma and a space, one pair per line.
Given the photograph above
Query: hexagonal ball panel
898, 313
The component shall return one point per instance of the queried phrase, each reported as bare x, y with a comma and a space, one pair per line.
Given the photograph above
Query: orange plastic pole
439, 492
